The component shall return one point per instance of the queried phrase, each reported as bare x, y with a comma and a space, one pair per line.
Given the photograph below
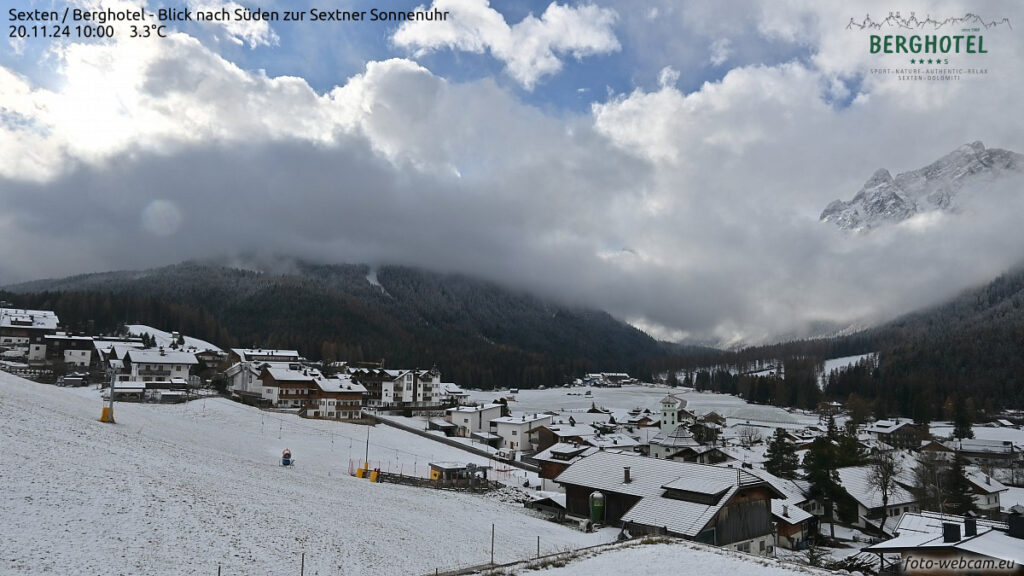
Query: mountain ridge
940, 186
480, 333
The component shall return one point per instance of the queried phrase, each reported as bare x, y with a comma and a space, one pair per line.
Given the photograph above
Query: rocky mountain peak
887, 200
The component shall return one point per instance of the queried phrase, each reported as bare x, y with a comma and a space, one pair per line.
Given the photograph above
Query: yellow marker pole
108, 411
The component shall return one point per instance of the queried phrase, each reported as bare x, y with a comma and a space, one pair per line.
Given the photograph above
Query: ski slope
182, 489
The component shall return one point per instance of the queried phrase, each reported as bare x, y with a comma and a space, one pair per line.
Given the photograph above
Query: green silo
596, 507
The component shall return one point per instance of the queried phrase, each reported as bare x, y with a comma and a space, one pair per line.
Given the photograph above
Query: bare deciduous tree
885, 469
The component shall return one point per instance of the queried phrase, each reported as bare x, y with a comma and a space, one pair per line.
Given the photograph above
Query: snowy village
259, 461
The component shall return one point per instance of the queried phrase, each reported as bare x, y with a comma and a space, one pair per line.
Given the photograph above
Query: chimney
1016, 521
950, 532
785, 510
988, 480
625, 475
970, 526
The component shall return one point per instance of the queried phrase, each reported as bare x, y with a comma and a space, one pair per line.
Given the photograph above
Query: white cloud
721, 49
255, 33
668, 76
530, 49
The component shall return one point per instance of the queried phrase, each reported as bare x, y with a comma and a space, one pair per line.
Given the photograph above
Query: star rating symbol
929, 60
912, 61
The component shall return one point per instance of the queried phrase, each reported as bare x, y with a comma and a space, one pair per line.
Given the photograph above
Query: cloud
255, 33
688, 208
530, 49
721, 48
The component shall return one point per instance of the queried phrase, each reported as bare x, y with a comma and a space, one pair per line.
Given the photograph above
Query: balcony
161, 373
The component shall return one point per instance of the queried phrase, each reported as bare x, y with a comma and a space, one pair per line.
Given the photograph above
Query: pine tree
823, 475
959, 494
781, 456
962, 419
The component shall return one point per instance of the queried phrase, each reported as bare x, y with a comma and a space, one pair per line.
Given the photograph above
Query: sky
666, 161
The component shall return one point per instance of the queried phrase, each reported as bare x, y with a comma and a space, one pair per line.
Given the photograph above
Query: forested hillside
477, 333
967, 351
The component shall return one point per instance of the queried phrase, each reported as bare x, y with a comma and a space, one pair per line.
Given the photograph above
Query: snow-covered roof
120, 349
339, 384
286, 373
752, 454
856, 481
613, 440
150, 356
790, 513
887, 426
975, 445
33, 319
522, 419
130, 386
672, 400
985, 483
677, 516
648, 476
473, 409
106, 346
240, 366
680, 438
262, 353
567, 453
452, 389
556, 497
795, 490
922, 531
712, 485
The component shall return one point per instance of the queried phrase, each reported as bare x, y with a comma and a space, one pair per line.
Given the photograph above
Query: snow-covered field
182, 489
839, 363
673, 558
621, 400
945, 429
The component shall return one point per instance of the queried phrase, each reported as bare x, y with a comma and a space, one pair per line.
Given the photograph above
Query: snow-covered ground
1012, 497
166, 339
620, 400
182, 489
839, 363
673, 558
945, 429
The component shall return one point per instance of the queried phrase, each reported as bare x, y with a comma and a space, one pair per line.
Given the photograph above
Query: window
761, 545
515, 432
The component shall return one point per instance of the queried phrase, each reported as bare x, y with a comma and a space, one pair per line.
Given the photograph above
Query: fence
30, 373
453, 442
